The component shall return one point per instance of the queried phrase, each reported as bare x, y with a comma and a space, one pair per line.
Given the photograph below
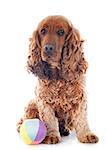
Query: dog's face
52, 32
55, 50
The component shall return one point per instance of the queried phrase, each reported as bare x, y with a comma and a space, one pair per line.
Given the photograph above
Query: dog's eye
43, 31
60, 32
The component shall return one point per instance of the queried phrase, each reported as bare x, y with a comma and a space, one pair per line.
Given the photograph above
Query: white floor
69, 142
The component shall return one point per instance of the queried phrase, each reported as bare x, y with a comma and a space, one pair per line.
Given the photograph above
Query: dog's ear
34, 56
35, 64
73, 63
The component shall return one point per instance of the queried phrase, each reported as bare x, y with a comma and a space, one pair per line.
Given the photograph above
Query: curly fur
60, 96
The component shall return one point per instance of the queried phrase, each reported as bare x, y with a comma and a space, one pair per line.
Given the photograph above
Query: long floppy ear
73, 63
35, 64
34, 52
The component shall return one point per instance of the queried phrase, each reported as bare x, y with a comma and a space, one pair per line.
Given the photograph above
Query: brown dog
56, 57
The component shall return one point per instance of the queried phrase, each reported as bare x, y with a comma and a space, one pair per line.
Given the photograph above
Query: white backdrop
18, 19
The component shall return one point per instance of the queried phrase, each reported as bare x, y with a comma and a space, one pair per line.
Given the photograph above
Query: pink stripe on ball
41, 133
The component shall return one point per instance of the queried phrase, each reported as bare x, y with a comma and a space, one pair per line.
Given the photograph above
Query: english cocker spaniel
56, 57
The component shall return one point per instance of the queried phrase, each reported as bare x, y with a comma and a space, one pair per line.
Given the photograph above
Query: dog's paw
51, 139
88, 138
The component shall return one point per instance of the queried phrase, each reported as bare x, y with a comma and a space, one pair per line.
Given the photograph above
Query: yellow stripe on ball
24, 135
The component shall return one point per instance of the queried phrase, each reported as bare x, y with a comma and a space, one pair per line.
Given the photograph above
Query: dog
56, 57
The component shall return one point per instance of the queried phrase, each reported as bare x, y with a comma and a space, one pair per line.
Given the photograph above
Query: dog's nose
49, 48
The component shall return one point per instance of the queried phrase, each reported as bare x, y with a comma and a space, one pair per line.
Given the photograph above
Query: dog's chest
61, 95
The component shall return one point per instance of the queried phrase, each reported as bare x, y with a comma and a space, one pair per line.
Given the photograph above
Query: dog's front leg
83, 132
46, 114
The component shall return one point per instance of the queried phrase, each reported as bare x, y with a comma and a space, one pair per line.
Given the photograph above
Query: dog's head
55, 50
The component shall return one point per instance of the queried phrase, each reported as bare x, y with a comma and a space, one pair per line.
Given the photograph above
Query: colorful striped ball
33, 131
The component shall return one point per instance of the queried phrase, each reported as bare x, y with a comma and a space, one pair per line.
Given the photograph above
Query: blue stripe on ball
32, 128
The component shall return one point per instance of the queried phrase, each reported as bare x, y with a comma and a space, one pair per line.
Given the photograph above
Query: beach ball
33, 131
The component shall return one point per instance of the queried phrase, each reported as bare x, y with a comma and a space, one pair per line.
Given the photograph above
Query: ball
33, 131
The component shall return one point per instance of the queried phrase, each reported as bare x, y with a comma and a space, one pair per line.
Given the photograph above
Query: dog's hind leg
31, 111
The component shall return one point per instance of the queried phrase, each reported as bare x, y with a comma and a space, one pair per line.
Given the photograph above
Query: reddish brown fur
60, 96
